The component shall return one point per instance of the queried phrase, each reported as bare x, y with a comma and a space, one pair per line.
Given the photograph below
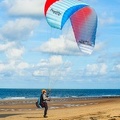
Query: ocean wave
18, 98
14, 98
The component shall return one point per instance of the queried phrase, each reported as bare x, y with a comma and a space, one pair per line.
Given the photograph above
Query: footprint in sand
112, 119
92, 118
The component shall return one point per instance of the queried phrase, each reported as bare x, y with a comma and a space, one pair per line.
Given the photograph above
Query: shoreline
62, 109
81, 97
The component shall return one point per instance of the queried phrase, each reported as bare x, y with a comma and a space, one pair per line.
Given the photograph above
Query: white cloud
60, 46
109, 20
2, 67
23, 65
43, 63
18, 29
5, 46
14, 67
99, 46
96, 69
14, 63
14, 53
25, 7
105, 19
56, 60
53, 67
117, 68
42, 72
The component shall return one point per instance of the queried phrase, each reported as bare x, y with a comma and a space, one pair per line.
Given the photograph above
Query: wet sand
62, 109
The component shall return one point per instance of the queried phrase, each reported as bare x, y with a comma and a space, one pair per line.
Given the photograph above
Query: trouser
46, 108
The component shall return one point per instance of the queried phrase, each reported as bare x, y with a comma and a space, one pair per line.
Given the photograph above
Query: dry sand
62, 109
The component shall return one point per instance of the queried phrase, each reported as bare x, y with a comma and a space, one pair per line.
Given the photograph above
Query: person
43, 102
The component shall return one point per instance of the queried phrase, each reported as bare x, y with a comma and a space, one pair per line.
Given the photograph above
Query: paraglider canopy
82, 17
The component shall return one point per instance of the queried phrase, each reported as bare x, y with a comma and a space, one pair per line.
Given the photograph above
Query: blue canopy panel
60, 11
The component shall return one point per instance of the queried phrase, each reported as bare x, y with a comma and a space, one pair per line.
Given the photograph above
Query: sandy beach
62, 109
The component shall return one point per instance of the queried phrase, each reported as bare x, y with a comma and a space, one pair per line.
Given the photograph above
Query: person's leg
46, 108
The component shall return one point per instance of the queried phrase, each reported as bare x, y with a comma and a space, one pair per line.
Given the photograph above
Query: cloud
41, 72
106, 19
6, 46
53, 67
62, 46
23, 65
116, 68
2, 67
54, 60
13, 66
25, 7
96, 69
12, 50
99, 46
18, 29
65, 46
14, 53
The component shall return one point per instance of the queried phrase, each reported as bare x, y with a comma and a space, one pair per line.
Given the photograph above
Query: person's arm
44, 97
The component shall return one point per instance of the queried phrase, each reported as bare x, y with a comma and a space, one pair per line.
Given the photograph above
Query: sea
8, 94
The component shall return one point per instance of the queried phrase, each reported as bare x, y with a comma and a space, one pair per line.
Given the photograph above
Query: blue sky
32, 55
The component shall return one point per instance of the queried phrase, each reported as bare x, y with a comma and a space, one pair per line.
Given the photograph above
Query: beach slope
62, 109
